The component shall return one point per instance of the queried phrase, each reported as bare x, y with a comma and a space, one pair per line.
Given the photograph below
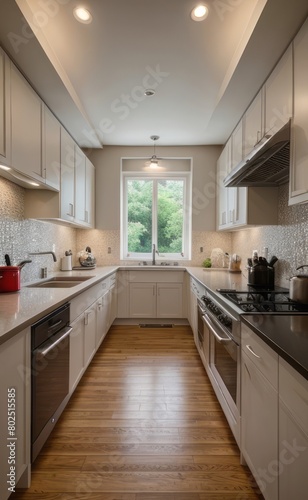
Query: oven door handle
41, 353
220, 340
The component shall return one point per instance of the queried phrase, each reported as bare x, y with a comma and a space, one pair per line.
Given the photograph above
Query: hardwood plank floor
143, 424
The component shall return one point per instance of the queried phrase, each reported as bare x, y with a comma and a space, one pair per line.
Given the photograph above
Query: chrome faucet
45, 253
154, 251
153, 254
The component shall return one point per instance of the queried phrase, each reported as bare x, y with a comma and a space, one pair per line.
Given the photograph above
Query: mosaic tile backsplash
18, 236
288, 241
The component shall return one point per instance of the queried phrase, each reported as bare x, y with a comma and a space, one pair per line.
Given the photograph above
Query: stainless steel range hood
267, 164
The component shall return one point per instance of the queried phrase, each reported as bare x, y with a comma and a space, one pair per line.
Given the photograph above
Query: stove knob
226, 321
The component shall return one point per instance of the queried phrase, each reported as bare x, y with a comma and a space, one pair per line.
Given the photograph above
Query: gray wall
108, 174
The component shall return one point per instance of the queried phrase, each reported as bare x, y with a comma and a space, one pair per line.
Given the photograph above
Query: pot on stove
299, 287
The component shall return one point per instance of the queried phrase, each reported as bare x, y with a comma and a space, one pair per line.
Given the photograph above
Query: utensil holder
66, 263
261, 276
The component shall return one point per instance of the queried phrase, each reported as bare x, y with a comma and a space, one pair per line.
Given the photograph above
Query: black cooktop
255, 299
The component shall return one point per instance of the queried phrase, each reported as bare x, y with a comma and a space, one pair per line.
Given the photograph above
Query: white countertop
19, 310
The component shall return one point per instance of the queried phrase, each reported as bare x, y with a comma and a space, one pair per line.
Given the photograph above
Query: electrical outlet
54, 248
109, 249
201, 249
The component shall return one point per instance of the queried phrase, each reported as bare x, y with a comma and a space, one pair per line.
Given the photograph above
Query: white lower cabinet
259, 429
274, 424
142, 300
169, 300
90, 334
113, 302
293, 433
76, 351
155, 300
102, 317
15, 425
90, 321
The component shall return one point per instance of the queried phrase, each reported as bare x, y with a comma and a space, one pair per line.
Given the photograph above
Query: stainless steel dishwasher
50, 374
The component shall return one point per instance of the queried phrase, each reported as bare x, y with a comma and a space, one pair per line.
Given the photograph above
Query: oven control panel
219, 314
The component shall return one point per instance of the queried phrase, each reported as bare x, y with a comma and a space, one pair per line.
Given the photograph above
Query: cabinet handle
71, 210
86, 318
247, 370
250, 349
86, 216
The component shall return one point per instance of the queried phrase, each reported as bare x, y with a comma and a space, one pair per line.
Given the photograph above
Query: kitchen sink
61, 282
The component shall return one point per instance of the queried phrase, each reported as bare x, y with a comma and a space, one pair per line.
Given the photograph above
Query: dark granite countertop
285, 334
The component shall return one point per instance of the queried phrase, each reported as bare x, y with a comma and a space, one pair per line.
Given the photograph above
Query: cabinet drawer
261, 355
293, 391
80, 303
156, 276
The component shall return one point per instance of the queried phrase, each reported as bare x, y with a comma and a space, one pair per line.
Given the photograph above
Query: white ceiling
93, 75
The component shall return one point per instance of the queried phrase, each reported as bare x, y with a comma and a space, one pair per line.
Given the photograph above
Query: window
156, 210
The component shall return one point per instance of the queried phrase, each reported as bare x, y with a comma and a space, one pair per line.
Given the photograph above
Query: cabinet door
76, 351
89, 334
4, 112
194, 315
222, 195
90, 194
259, 435
67, 176
293, 457
237, 145
238, 205
299, 158
142, 300
80, 185
51, 149
15, 376
252, 121
279, 94
113, 304
102, 309
169, 300
25, 126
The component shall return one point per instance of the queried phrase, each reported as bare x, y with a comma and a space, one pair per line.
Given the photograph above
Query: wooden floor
143, 424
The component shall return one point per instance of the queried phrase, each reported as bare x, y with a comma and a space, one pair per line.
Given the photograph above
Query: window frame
186, 177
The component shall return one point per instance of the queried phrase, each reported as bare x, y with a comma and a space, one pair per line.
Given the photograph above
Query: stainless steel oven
50, 374
203, 337
222, 329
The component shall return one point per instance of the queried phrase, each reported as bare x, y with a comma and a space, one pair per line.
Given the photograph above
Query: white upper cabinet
70, 205
298, 192
252, 124
26, 126
279, 94
51, 138
4, 109
67, 177
80, 185
240, 207
84, 189
222, 193
2, 105
90, 194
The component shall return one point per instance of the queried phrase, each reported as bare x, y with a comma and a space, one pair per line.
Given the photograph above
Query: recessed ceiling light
82, 15
149, 92
199, 13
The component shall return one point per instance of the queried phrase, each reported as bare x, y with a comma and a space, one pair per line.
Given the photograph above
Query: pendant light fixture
154, 159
